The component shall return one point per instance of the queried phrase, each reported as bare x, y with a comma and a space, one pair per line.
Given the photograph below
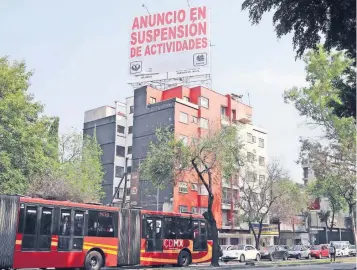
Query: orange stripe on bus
146, 259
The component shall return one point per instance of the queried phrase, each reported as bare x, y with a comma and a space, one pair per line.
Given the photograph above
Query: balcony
245, 118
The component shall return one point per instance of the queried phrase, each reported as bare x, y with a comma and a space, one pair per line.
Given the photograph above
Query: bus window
78, 230
65, 230
149, 232
29, 238
158, 229
203, 236
65, 227
170, 228
92, 223
105, 224
45, 229
185, 229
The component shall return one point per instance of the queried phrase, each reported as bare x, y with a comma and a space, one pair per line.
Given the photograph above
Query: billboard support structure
171, 49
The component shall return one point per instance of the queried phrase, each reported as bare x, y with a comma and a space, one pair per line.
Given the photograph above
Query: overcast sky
79, 51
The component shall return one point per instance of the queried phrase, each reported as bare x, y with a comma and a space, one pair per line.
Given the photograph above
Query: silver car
299, 252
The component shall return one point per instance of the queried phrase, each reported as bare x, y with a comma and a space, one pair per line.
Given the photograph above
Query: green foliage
76, 176
166, 158
293, 201
309, 21
25, 149
334, 158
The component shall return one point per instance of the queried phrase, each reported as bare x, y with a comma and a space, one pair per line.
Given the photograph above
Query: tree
259, 194
309, 21
333, 156
77, 173
292, 203
169, 160
327, 188
25, 148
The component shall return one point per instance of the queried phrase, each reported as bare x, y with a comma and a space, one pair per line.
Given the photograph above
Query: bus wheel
93, 261
184, 258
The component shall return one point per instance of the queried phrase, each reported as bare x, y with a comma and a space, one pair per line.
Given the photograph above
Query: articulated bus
38, 233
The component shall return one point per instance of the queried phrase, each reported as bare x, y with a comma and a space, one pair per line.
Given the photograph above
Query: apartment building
190, 112
113, 126
125, 131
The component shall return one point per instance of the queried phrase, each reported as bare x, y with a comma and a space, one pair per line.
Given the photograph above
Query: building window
203, 190
183, 117
250, 157
186, 99
120, 129
130, 150
306, 172
248, 241
203, 209
261, 178
128, 169
194, 119
130, 130
183, 187
184, 139
119, 195
183, 209
204, 102
193, 187
261, 143
131, 109
194, 209
204, 123
223, 111
120, 151
254, 139
261, 161
234, 115
152, 100
119, 171
249, 137
251, 176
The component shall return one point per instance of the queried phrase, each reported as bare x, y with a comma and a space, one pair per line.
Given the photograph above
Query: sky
79, 51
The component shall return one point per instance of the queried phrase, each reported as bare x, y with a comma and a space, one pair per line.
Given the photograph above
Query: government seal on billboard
169, 45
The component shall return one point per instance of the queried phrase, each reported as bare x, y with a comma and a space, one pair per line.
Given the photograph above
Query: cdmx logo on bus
136, 67
173, 243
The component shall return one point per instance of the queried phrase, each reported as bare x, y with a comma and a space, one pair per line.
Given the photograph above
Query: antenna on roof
188, 3
248, 99
144, 6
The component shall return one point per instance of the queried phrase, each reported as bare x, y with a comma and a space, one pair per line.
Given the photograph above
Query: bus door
71, 230
9, 210
129, 237
199, 235
38, 226
153, 233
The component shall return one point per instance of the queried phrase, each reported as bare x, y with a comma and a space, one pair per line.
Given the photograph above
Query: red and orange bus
38, 233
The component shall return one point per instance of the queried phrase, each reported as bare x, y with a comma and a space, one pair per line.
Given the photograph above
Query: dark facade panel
105, 129
108, 174
108, 153
147, 118
108, 190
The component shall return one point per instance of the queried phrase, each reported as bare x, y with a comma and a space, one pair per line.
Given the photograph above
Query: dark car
274, 253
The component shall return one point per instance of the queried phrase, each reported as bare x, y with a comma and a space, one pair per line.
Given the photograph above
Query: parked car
352, 250
319, 251
299, 252
342, 250
223, 248
274, 252
241, 252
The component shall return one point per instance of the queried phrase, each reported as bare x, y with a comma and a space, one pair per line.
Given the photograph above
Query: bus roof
101, 207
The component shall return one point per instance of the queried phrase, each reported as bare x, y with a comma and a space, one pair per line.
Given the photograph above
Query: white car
241, 252
342, 250
352, 250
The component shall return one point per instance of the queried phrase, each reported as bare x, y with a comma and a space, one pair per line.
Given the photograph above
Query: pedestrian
332, 251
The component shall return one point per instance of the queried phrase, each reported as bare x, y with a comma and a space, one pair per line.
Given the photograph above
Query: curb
237, 266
